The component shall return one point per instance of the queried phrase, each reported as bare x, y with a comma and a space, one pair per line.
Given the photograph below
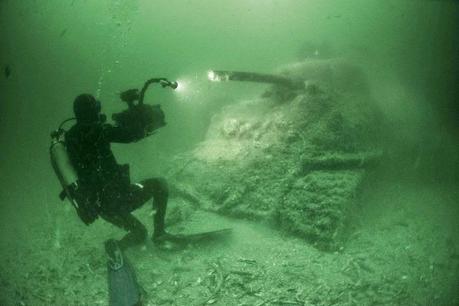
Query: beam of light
185, 90
217, 76
212, 76
190, 88
181, 86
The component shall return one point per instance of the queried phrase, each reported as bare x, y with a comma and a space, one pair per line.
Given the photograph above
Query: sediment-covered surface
404, 253
289, 172
295, 157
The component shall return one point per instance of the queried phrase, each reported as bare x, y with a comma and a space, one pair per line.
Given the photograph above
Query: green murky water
342, 191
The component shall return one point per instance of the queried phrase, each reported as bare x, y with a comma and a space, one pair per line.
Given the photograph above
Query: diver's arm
122, 134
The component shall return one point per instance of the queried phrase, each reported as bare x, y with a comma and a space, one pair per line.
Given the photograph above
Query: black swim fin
178, 241
205, 236
123, 287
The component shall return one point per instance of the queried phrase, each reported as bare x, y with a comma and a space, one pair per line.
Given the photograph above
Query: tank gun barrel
222, 75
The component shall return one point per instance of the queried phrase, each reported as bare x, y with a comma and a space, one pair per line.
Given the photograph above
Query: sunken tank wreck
295, 157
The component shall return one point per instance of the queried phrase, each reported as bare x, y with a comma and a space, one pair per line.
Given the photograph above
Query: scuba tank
62, 166
67, 176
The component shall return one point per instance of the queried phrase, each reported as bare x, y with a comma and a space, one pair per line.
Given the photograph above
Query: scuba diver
102, 187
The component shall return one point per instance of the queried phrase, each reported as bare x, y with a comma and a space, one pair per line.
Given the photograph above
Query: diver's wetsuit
106, 185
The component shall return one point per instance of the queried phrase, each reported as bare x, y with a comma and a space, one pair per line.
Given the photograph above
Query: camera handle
147, 84
131, 95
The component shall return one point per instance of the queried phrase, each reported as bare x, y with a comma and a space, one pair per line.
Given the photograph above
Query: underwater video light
174, 85
166, 83
179, 86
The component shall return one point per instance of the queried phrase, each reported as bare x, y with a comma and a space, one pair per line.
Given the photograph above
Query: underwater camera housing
140, 115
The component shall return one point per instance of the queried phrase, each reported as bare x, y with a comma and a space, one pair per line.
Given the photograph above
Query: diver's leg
136, 230
158, 188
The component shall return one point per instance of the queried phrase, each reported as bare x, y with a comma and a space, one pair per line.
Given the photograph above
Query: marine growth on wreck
231, 152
